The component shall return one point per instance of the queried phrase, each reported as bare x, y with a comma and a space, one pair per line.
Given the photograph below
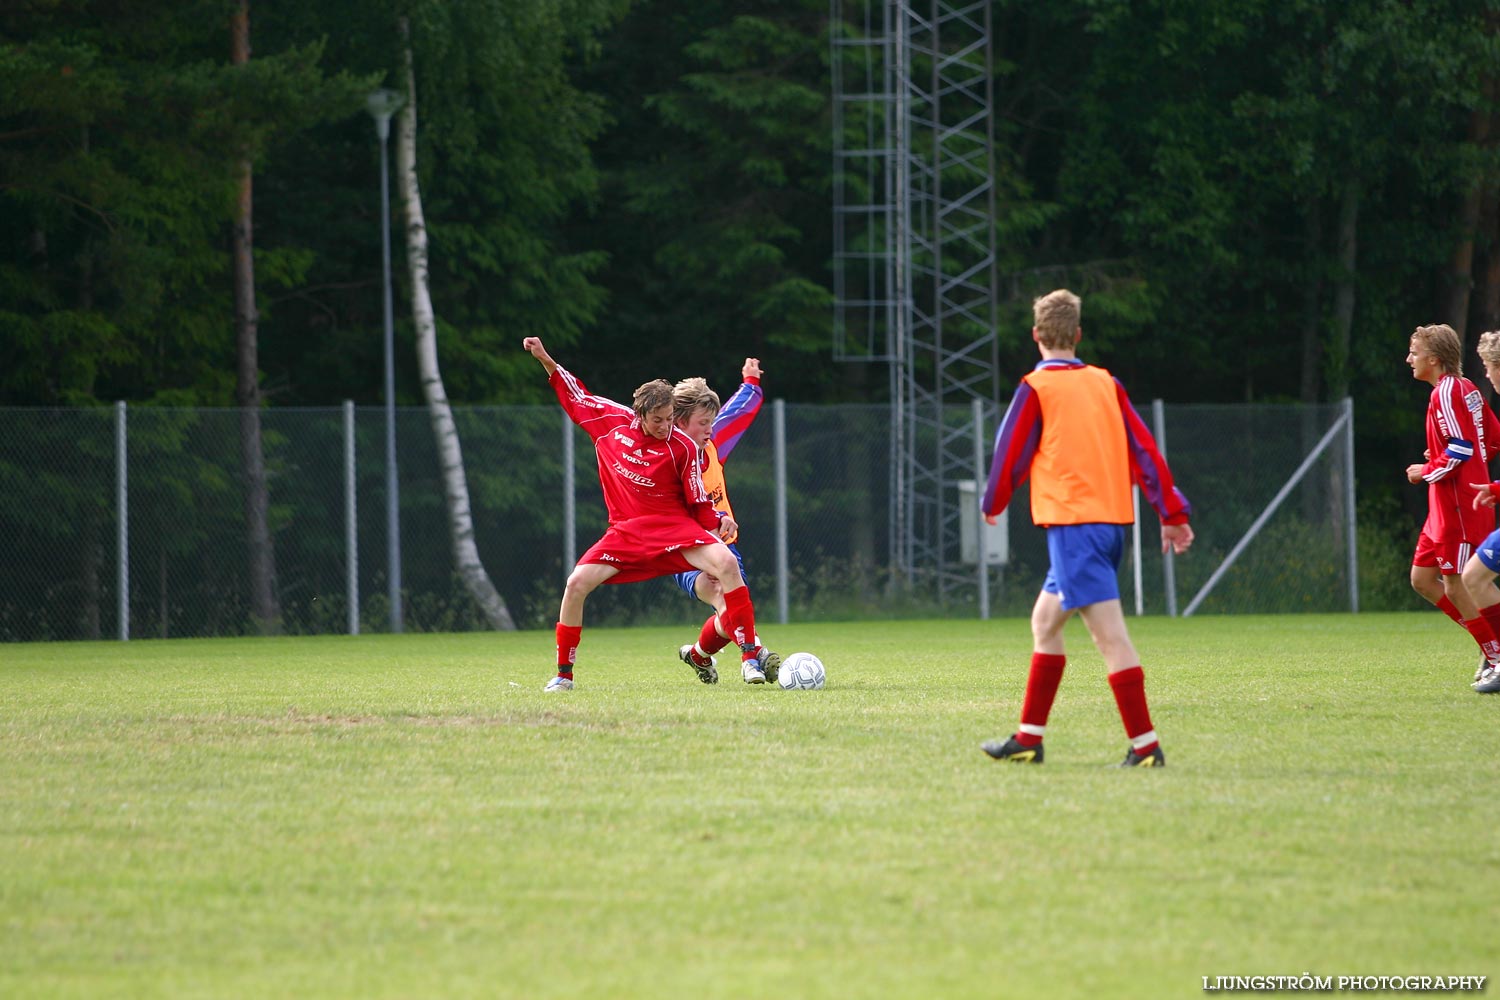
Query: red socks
1448, 608
1485, 629
1491, 615
567, 648
709, 640
740, 615
1041, 690
1480, 629
1129, 686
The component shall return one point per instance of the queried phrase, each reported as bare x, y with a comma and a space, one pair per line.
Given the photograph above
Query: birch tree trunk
264, 606
450, 455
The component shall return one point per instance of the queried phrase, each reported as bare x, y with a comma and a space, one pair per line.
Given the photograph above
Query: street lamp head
382, 104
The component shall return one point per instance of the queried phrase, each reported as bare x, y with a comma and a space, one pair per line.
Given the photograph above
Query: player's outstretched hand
751, 369
1414, 473
534, 346
1484, 498
1176, 536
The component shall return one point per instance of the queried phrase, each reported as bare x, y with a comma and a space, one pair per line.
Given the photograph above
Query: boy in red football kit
1482, 567
660, 519
1072, 428
696, 409
1460, 431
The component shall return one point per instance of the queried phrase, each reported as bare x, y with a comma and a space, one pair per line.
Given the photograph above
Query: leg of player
700, 655
1428, 581
717, 560
582, 582
1048, 659
1106, 622
1484, 637
715, 634
1479, 580
709, 592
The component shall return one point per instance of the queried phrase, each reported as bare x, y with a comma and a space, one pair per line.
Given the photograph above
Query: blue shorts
1085, 563
686, 581
1488, 552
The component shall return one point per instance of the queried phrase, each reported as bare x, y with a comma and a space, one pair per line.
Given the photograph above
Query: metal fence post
1351, 537
778, 462
351, 521
1168, 567
122, 511
981, 480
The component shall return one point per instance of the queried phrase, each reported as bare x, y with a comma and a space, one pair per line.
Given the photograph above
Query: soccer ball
801, 672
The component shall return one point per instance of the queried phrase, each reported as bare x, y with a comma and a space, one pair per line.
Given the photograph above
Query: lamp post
382, 104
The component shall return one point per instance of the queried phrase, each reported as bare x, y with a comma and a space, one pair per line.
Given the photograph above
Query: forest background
1259, 199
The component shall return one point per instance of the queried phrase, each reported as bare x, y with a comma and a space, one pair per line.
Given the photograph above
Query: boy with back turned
1072, 429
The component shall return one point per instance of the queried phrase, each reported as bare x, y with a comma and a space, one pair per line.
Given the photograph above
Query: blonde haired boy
1461, 430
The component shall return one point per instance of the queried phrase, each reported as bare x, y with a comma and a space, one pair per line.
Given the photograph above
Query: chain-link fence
67, 475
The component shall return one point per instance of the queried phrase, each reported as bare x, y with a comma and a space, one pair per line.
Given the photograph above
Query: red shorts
1449, 554
649, 546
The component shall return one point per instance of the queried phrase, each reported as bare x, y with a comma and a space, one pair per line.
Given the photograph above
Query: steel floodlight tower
914, 249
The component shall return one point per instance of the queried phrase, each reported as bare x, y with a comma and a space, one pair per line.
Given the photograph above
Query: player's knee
1426, 586
578, 585
1045, 628
708, 589
727, 571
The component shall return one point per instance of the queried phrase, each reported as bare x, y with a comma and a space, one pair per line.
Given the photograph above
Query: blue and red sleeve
1148, 468
736, 416
1015, 446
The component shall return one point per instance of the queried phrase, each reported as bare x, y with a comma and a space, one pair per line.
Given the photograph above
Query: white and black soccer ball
801, 672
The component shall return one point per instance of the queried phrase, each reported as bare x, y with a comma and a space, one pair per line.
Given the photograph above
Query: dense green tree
127, 139
503, 155
715, 206
120, 132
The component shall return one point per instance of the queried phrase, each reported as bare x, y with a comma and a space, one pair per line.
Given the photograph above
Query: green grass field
410, 816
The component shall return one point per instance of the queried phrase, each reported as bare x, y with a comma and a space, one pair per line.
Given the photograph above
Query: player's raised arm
739, 411
534, 346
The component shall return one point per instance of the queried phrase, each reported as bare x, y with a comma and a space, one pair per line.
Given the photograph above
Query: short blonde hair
650, 396
1441, 342
1058, 316
1489, 347
693, 394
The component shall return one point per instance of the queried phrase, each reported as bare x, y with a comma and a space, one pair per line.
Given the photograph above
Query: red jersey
1461, 430
641, 475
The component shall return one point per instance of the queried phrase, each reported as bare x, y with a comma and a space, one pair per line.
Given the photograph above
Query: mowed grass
410, 816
